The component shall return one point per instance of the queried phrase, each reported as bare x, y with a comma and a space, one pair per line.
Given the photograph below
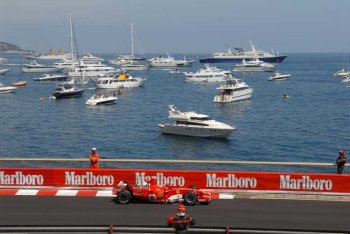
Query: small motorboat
3, 71
7, 89
347, 79
19, 83
278, 76
100, 99
341, 73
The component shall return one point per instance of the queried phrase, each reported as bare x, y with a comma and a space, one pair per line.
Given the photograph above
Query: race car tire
193, 186
190, 198
124, 197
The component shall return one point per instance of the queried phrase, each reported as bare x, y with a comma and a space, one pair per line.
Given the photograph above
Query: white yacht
194, 124
91, 59
3, 60
132, 66
100, 99
119, 81
51, 77
169, 62
342, 72
233, 90
37, 67
278, 76
3, 71
208, 74
91, 70
346, 79
7, 89
120, 60
254, 66
238, 54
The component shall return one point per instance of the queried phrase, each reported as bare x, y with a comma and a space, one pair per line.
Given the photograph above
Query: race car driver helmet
181, 209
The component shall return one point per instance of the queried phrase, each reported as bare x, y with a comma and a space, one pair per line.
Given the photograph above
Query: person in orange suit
94, 157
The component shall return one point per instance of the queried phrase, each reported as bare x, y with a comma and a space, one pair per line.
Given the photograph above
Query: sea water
309, 126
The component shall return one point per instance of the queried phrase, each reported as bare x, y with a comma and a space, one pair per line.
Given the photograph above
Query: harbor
304, 127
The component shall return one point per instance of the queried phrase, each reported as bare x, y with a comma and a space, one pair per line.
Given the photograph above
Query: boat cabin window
201, 118
191, 123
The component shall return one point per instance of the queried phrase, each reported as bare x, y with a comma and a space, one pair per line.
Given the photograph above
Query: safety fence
152, 229
217, 165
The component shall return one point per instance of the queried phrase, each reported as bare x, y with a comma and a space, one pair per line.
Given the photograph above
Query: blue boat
239, 54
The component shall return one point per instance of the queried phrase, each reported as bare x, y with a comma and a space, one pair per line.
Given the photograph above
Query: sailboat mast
71, 36
132, 40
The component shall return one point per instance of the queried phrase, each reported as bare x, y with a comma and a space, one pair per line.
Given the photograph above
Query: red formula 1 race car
151, 192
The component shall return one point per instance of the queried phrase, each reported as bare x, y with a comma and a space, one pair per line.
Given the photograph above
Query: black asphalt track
238, 213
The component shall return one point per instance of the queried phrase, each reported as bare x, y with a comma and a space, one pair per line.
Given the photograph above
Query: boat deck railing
170, 164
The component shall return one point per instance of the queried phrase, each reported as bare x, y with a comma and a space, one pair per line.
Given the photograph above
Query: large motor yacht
194, 124
238, 54
119, 81
208, 74
91, 70
37, 67
233, 90
132, 66
254, 66
169, 62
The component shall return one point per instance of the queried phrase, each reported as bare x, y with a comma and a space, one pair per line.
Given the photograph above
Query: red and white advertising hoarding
213, 180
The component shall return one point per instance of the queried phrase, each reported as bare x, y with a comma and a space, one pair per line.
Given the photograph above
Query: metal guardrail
150, 230
312, 167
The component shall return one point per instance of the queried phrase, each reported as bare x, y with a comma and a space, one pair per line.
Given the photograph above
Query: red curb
86, 193
7, 192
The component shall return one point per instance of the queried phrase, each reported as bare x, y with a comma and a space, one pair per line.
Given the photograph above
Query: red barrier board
217, 180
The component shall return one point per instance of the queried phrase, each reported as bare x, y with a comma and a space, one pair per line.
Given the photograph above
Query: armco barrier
151, 230
211, 180
218, 165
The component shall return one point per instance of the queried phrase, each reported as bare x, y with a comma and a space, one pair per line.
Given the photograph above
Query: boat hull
105, 101
274, 59
7, 89
137, 82
185, 130
53, 78
176, 64
70, 94
254, 69
203, 79
4, 71
236, 96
